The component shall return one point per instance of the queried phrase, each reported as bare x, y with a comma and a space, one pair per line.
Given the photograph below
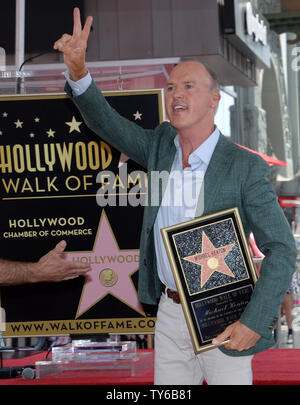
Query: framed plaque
213, 271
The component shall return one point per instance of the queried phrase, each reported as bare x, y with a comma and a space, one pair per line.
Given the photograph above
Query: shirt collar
204, 151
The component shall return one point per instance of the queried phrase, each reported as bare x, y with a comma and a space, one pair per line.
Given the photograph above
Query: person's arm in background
51, 267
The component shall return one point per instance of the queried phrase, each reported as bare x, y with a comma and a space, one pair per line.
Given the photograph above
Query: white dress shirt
180, 199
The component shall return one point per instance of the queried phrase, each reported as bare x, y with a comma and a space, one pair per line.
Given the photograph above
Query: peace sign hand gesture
74, 46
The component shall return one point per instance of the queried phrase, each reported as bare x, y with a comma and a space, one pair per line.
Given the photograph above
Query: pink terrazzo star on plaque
211, 259
111, 270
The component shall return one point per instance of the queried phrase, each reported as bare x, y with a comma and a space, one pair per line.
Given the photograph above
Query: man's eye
189, 86
170, 88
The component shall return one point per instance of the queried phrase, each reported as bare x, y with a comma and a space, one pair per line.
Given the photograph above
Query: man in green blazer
233, 177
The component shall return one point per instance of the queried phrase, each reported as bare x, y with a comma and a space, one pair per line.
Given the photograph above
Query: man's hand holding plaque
240, 337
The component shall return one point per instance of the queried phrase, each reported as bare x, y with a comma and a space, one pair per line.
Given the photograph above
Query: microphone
20, 79
27, 372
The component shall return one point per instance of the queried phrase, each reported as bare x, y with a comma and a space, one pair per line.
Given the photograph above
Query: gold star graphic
31, 135
18, 124
5, 114
50, 133
74, 125
211, 259
1, 133
36, 119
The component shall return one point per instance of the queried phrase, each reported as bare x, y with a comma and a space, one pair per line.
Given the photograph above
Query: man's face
190, 100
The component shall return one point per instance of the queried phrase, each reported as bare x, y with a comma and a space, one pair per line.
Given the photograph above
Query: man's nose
178, 93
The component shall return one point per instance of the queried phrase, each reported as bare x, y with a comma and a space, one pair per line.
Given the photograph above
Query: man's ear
216, 97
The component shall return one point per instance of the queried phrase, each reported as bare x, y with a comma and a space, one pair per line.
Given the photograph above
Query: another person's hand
74, 46
240, 337
53, 267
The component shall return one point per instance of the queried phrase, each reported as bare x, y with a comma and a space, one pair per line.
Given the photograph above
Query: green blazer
234, 178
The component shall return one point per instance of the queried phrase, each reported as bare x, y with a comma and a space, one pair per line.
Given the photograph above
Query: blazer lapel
214, 176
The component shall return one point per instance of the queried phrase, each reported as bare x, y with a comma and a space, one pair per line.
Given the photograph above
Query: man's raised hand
74, 46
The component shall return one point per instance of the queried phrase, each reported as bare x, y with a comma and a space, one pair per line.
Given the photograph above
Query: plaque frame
220, 297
